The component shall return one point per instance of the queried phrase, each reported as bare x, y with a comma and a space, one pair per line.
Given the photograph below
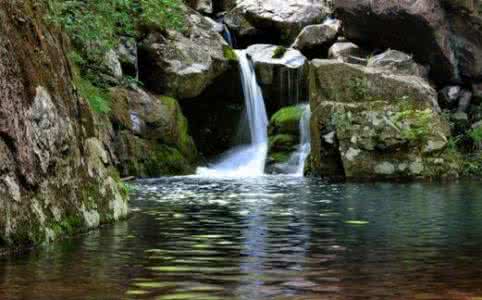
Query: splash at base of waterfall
242, 161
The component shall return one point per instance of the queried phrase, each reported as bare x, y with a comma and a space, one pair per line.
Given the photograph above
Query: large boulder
370, 123
315, 40
215, 115
146, 127
278, 20
444, 34
55, 175
281, 74
183, 64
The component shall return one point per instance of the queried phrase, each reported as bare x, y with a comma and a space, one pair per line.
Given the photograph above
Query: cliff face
55, 175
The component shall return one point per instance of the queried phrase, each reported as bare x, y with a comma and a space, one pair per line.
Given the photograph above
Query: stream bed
270, 237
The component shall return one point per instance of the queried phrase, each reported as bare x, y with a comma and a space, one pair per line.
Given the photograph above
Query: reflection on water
269, 238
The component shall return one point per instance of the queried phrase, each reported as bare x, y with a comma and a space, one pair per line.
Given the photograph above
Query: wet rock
315, 40
282, 20
281, 74
182, 65
385, 125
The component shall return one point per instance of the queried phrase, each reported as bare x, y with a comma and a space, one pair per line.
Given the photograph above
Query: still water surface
272, 237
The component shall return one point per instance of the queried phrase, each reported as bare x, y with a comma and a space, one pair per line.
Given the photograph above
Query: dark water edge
268, 238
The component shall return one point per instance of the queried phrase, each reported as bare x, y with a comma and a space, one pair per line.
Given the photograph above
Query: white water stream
247, 160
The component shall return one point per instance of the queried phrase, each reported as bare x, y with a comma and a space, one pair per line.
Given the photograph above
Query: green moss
279, 52
165, 160
183, 140
286, 120
98, 98
279, 157
283, 142
229, 53
414, 125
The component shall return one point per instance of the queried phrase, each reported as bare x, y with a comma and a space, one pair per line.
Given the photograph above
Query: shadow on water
271, 237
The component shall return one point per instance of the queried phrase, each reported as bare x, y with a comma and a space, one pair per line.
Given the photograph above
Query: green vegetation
286, 120
414, 125
359, 88
99, 99
229, 53
476, 135
97, 26
279, 52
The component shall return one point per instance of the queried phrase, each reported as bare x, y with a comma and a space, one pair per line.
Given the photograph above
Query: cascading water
296, 164
246, 160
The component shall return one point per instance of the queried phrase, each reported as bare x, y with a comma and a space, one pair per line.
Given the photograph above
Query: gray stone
314, 40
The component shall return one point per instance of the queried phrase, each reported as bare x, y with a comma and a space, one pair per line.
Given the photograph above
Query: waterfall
296, 163
246, 160
229, 37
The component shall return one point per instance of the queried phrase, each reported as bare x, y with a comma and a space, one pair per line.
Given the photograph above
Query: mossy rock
285, 142
229, 53
279, 157
286, 120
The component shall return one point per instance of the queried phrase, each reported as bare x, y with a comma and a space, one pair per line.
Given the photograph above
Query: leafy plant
476, 135
414, 125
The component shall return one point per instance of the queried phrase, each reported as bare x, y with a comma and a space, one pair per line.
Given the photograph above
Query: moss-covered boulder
284, 134
370, 123
286, 120
146, 126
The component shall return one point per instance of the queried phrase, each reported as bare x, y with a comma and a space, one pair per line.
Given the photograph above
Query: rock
281, 74
421, 24
157, 121
147, 157
348, 52
203, 6
127, 54
437, 34
286, 121
385, 125
282, 20
315, 40
464, 101
48, 185
397, 62
284, 135
214, 116
449, 96
182, 65
477, 92
112, 65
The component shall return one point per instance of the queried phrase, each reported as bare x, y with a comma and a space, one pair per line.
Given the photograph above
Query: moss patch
229, 53
286, 120
279, 52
